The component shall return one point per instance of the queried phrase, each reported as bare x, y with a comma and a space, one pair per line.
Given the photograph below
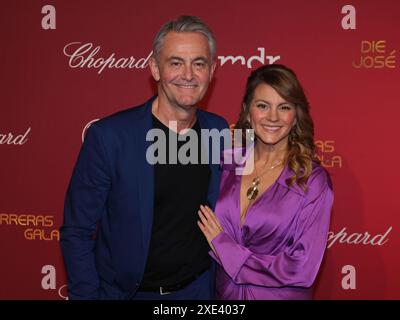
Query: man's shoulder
213, 118
125, 117
136, 112
211, 115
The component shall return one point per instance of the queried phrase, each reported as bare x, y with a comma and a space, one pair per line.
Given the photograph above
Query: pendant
252, 192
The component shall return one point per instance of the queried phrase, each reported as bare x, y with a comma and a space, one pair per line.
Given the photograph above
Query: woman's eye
261, 105
285, 107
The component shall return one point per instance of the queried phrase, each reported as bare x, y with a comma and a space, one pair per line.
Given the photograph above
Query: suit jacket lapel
145, 183
213, 186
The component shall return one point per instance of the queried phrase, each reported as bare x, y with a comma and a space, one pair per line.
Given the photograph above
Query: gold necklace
252, 191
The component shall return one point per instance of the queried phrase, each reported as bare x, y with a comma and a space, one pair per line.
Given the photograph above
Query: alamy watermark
223, 146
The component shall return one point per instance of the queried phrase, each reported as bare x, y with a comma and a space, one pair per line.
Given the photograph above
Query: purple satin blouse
277, 252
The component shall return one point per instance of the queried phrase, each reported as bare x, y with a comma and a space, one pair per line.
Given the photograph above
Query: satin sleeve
296, 265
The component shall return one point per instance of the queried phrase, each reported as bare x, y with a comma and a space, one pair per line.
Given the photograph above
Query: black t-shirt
178, 248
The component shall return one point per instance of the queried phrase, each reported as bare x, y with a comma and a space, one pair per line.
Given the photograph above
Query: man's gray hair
184, 24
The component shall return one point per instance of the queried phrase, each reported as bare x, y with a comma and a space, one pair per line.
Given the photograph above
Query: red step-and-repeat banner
67, 63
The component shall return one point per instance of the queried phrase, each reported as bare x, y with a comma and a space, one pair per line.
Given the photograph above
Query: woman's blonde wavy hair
301, 148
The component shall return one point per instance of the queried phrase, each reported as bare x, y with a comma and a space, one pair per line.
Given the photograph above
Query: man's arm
84, 207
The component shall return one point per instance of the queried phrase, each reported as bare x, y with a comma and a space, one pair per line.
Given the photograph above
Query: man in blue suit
130, 228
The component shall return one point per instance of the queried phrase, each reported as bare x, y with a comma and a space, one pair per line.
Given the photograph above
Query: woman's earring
291, 136
250, 135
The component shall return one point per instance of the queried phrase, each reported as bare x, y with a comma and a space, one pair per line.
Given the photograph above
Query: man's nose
188, 73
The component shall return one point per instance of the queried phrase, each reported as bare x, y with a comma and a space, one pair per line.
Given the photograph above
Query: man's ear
155, 71
213, 66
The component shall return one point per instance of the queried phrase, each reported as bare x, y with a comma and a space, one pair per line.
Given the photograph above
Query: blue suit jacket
108, 210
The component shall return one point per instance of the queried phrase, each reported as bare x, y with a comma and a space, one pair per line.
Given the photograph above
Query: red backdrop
345, 57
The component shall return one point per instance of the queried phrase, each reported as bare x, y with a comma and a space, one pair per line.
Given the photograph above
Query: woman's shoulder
319, 173
319, 179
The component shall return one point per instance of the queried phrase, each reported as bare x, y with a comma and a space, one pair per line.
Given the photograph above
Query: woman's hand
209, 225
